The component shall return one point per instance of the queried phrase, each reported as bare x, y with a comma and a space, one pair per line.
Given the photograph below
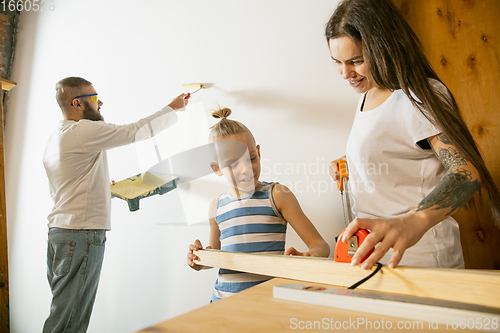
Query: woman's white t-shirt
389, 174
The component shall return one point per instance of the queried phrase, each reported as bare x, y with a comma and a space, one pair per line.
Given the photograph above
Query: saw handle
342, 249
343, 174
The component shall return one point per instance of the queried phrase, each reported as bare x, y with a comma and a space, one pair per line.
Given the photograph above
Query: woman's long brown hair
395, 59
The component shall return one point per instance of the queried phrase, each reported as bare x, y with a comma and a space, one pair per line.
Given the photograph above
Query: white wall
267, 60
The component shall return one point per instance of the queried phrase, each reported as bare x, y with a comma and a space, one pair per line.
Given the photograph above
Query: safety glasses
93, 98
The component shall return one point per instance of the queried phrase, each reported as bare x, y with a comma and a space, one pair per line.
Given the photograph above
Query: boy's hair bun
221, 113
225, 127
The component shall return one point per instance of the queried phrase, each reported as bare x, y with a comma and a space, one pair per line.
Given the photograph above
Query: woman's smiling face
349, 60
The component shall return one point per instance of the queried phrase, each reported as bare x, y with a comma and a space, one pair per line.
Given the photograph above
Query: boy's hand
191, 256
179, 103
293, 252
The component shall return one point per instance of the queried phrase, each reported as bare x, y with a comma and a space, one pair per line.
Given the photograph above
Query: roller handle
189, 94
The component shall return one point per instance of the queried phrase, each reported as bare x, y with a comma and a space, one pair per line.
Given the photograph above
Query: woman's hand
398, 233
333, 169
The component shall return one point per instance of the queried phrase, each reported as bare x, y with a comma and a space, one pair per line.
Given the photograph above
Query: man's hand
179, 103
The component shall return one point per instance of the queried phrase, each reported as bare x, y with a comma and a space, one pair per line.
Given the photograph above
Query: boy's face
239, 163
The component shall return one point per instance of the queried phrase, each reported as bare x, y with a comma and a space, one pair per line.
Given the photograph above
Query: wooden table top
255, 310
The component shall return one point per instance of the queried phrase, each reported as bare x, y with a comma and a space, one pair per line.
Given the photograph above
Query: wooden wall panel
461, 40
4, 267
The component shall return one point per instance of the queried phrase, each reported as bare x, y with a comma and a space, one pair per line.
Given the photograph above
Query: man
77, 169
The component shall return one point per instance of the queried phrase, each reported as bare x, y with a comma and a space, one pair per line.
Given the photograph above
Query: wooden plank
480, 287
384, 304
4, 267
255, 310
461, 39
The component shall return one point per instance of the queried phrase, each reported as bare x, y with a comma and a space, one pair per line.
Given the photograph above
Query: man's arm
98, 136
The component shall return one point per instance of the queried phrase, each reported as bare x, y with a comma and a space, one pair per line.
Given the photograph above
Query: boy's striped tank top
249, 224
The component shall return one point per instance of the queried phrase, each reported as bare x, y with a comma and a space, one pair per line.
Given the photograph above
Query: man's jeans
74, 261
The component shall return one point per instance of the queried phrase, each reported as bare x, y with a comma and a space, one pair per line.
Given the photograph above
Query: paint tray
134, 189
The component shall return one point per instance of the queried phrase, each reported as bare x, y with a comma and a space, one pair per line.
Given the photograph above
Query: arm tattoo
457, 186
451, 158
441, 137
453, 192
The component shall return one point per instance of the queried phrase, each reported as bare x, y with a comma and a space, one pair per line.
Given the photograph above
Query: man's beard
90, 114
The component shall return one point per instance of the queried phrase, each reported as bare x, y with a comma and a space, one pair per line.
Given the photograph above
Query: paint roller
191, 86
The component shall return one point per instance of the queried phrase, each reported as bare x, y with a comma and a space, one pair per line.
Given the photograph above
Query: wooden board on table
480, 287
401, 306
255, 310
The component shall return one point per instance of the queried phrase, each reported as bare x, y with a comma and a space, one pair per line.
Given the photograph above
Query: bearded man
77, 168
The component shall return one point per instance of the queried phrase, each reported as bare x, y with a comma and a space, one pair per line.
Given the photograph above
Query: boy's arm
214, 240
290, 209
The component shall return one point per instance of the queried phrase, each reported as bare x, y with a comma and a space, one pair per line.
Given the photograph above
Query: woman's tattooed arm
459, 183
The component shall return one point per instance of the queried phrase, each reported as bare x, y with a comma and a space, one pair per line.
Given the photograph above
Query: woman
412, 160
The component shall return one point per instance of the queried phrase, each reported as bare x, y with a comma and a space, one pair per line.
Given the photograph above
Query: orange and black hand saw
344, 251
